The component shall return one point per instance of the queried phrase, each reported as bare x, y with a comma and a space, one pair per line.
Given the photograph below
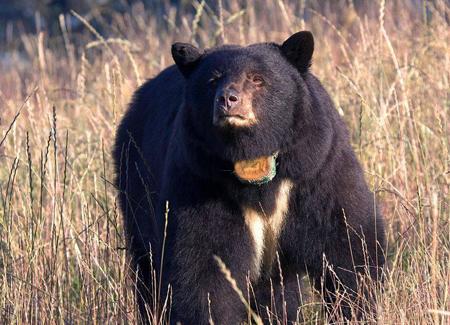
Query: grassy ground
62, 257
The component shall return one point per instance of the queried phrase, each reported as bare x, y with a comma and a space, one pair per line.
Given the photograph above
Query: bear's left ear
186, 57
298, 49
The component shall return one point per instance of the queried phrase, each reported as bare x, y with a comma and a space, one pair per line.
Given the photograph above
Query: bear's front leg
351, 253
200, 290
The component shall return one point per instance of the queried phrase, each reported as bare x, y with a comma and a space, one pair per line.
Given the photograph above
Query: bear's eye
257, 79
215, 77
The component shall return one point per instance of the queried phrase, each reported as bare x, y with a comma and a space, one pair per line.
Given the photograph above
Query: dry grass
61, 243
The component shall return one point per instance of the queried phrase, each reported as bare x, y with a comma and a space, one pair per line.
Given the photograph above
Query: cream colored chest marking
265, 229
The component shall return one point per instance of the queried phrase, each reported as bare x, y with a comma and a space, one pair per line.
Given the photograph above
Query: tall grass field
63, 259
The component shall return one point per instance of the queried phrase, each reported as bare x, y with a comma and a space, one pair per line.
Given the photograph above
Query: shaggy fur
168, 149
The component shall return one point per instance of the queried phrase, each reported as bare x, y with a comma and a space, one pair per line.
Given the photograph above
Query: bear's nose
228, 98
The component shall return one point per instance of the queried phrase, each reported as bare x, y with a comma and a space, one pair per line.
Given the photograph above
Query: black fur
167, 149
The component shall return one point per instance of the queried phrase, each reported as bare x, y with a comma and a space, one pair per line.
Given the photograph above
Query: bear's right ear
298, 49
186, 57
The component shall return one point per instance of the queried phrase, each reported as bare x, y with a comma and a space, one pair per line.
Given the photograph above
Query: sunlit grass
62, 256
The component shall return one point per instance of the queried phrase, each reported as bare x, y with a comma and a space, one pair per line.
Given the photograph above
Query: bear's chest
265, 229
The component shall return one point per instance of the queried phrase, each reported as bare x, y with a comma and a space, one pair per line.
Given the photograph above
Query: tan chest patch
265, 229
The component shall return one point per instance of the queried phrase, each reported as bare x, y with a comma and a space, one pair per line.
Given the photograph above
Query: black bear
255, 163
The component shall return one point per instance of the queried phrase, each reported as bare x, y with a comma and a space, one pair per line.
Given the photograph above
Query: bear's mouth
256, 171
226, 120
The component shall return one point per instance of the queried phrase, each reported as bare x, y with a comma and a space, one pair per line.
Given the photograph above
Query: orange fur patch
255, 169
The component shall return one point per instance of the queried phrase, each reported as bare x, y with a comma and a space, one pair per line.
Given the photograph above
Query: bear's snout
232, 108
228, 99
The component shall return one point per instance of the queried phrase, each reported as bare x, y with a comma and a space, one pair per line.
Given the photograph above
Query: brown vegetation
61, 243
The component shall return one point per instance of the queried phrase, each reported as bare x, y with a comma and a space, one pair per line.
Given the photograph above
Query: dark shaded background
31, 15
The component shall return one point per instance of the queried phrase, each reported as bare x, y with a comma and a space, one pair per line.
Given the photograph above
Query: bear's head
241, 103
